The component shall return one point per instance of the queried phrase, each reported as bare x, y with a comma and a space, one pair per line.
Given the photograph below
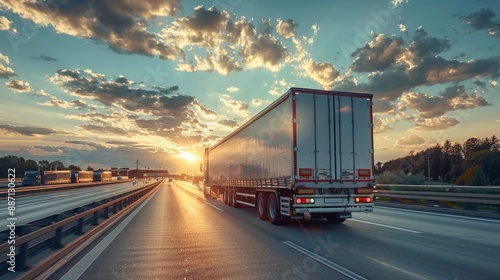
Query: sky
104, 83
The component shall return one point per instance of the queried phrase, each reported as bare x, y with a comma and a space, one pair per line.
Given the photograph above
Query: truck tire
261, 205
273, 210
334, 218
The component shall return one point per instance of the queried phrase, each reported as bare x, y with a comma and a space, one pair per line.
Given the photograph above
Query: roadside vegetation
476, 162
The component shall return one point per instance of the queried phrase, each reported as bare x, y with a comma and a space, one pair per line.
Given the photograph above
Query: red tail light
304, 200
363, 199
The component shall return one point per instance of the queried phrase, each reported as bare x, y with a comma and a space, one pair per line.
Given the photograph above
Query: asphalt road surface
178, 234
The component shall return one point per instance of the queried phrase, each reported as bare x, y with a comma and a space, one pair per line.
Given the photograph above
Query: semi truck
310, 152
37, 178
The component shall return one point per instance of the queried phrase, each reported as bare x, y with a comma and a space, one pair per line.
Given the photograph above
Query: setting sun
188, 156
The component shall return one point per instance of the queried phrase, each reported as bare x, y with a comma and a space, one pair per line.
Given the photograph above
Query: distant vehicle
37, 178
170, 180
100, 176
32, 178
310, 151
82, 176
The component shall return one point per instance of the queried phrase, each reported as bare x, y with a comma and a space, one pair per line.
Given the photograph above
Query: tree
74, 167
44, 165
57, 165
478, 178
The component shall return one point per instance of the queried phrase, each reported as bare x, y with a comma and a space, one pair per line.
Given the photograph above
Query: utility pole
137, 168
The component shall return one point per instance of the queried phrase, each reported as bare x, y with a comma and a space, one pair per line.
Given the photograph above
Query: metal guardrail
449, 193
74, 223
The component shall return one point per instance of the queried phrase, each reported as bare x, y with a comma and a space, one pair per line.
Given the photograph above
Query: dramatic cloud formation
121, 24
229, 42
401, 67
453, 98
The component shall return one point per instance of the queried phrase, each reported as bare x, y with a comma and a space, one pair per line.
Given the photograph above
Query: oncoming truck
309, 152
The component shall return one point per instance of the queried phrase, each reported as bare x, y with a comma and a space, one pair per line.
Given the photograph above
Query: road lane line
330, 264
214, 206
77, 271
387, 226
438, 214
194, 196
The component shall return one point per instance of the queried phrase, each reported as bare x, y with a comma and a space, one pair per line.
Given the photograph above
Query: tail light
363, 199
304, 200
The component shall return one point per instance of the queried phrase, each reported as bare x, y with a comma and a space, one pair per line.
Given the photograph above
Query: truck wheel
261, 206
334, 218
273, 210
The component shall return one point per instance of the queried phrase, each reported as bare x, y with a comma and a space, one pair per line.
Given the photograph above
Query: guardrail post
95, 219
22, 257
58, 235
106, 212
79, 226
114, 208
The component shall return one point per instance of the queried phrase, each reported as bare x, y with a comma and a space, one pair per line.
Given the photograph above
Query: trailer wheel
273, 210
334, 218
261, 206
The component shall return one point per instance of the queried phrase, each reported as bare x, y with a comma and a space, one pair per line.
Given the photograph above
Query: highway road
36, 206
178, 234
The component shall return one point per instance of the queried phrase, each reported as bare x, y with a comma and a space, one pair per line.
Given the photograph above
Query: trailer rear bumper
322, 210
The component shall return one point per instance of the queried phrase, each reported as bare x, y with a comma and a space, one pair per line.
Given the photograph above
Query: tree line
476, 162
22, 165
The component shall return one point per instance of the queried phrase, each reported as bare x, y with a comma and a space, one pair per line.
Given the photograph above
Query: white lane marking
76, 271
439, 214
387, 226
330, 264
194, 196
214, 206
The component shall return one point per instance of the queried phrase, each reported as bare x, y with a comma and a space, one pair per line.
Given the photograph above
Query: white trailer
310, 151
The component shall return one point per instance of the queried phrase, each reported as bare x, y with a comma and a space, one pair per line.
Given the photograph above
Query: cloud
231, 44
287, 28
232, 89
238, 107
322, 72
5, 23
438, 123
381, 125
121, 24
279, 87
378, 55
19, 86
484, 20
219, 60
43, 57
5, 71
453, 98
257, 102
415, 64
410, 140
77, 104
156, 101
30, 130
